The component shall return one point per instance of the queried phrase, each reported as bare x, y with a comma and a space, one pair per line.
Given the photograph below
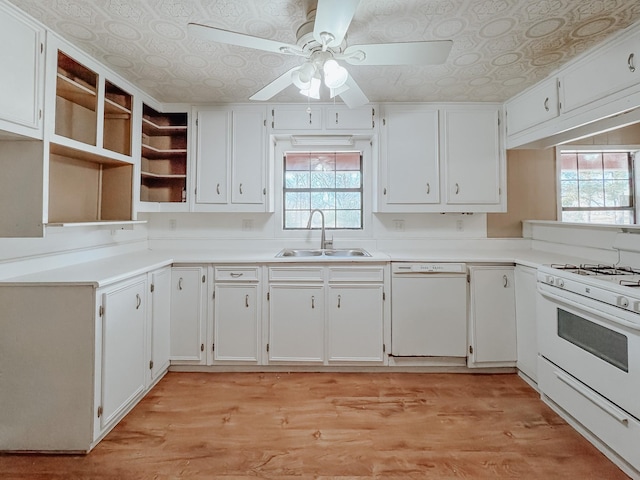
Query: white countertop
100, 273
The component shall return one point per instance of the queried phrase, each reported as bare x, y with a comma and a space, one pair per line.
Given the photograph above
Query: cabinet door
493, 323
355, 332
236, 323
21, 53
160, 322
188, 327
339, 117
610, 70
248, 161
526, 331
296, 323
123, 352
472, 156
213, 151
533, 107
296, 117
409, 174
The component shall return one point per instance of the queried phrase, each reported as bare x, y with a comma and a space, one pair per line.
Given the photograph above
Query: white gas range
588, 320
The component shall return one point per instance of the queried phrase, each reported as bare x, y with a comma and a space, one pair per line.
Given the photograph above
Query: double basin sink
339, 252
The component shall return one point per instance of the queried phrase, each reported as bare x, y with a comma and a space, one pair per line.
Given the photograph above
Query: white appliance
428, 309
589, 339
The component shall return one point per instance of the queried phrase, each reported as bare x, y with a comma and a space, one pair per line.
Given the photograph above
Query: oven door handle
610, 318
615, 412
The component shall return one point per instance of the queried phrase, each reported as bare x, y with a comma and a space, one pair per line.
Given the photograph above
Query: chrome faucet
324, 243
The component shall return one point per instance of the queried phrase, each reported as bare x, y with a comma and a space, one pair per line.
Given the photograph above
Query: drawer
356, 274
308, 274
612, 425
237, 274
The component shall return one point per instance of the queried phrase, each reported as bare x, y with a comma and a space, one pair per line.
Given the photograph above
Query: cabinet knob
632, 67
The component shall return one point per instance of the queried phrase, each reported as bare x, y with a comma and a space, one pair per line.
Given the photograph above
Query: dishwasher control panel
400, 268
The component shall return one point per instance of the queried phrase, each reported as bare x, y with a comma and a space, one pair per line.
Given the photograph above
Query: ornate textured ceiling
500, 46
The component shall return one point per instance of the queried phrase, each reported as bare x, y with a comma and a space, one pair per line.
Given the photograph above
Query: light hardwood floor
332, 425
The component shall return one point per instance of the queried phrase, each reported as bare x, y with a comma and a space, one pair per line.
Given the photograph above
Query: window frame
284, 144
635, 183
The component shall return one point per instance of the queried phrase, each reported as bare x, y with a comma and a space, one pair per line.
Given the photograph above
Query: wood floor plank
332, 425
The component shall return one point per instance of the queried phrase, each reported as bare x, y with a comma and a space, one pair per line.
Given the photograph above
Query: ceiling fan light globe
313, 91
335, 75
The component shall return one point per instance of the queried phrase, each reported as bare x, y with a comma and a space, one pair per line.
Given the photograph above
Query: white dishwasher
428, 309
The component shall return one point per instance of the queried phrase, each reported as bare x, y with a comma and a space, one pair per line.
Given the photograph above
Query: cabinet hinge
202, 347
264, 123
470, 350
384, 296
213, 347
150, 364
153, 287
267, 347
213, 297
468, 278
101, 310
41, 47
99, 411
384, 122
384, 348
196, 122
203, 279
268, 296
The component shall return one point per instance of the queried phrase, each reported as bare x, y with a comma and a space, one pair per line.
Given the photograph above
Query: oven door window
604, 343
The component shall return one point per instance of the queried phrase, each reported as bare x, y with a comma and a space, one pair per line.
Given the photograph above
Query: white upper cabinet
409, 159
610, 70
296, 117
340, 117
533, 107
231, 169
22, 55
248, 156
473, 157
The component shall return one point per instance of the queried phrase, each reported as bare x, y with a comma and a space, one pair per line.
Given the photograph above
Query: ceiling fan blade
353, 97
332, 20
407, 53
275, 87
240, 39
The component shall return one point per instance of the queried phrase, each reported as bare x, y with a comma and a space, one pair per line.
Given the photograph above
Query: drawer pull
236, 275
138, 301
180, 283
505, 281
339, 298
632, 67
246, 301
428, 188
615, 412
546, 104
313, 302
218, 189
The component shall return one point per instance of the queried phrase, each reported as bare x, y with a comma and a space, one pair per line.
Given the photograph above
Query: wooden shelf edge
72, 148
167, 176
113, 107
105, 223
162, 129
76, 93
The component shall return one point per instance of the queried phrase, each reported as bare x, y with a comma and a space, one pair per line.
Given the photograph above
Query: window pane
323, 200
348, 161
589, 166
297, 161
617, 193
569, 193
349, 200
348, 219
323, 162
297, 201
323, 180
568, 166
348, 180
591, 193
297, 180
296, 219
617, 163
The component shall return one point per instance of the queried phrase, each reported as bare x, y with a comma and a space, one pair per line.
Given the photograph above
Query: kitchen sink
339, 252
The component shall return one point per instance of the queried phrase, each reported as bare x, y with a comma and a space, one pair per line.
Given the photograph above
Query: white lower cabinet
296, 323
526, 331
123, 354
160, 323
355, 323
236, 315
188, 315
492, 329
326, 314
75, 358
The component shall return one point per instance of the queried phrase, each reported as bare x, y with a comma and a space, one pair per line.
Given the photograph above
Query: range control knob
548, 279
623, 302
560, 282
636, 307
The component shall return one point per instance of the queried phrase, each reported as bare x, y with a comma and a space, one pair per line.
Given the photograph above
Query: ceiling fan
321, 42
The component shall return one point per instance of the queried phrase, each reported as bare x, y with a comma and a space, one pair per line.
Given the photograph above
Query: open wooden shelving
163, 176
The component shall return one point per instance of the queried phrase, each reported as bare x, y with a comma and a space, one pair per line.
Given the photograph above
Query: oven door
594, 342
